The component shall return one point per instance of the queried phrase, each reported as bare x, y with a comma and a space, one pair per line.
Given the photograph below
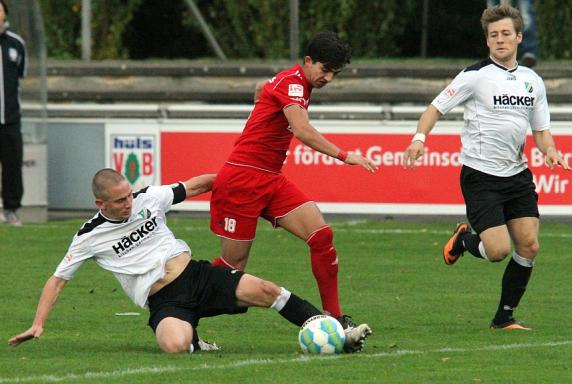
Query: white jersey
500, 104
134, 250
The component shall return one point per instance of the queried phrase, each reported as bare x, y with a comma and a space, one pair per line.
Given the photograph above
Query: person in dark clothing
12, 69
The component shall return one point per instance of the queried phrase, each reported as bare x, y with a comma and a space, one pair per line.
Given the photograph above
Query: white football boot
355, 337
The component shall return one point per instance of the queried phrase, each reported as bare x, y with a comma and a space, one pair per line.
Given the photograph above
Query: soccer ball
322, 334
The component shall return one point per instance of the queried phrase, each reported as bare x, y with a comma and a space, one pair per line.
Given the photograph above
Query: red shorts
240, 195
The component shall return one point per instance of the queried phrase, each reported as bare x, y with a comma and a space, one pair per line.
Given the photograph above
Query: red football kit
250, 184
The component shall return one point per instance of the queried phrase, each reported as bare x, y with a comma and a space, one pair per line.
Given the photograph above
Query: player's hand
553, 159
366, 163
32, 333
412, 153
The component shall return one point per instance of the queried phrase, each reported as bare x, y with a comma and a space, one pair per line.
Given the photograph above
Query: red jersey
267, 135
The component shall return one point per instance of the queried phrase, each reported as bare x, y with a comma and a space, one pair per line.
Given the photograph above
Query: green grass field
430, 321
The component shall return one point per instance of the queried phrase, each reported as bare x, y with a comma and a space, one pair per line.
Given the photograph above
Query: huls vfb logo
134, 157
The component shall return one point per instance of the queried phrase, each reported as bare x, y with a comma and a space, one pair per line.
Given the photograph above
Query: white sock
482, 251
522, 260
281, 300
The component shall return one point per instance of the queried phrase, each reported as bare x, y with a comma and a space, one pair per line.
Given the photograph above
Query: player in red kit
250, 184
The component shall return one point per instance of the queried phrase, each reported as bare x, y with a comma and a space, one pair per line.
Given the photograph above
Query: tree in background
248, 29
554, 19
62, 19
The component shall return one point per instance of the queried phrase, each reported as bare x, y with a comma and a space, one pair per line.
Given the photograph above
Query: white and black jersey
499, 106
135, 250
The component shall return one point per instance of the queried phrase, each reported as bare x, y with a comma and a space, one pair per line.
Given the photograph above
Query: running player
501, 100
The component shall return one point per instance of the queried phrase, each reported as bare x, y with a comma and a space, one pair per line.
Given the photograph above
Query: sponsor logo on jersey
68, 258
507, 101
295, 90
135, 238
134, 156
304, 102
450, 91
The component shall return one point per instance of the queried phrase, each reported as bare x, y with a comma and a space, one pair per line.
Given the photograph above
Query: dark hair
499, 12
4, 6
329, 49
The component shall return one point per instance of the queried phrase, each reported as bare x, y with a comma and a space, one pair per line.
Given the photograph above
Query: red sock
325, 268
221, 263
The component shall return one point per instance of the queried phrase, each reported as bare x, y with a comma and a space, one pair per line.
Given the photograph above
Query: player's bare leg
496, 242
174, 335
234, 254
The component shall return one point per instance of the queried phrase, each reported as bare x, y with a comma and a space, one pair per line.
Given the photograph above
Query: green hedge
554, 19
260, 28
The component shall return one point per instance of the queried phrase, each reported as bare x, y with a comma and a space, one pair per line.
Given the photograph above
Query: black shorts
492, 200
201, 290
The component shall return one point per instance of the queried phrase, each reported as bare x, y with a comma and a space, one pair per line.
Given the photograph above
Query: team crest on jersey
144, 213
295, 90
528, 86
13, 53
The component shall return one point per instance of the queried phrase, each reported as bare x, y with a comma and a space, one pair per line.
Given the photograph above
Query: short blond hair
103, 180
499, 12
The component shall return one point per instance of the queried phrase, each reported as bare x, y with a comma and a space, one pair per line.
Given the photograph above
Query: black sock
514, 282
471, 243
297, 310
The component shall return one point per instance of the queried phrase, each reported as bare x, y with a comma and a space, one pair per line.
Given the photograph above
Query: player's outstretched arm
49, 296
426, 123
199, 184
545, 142
304, 131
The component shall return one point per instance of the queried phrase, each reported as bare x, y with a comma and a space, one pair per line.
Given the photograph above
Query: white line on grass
259, 362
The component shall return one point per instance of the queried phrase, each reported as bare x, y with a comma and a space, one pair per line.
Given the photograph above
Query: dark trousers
11, 158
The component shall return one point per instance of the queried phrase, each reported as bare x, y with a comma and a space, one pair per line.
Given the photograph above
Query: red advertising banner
434, 183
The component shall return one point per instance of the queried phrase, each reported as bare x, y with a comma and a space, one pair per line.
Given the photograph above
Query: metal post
294, 30
86, 30
424, 27
206, 30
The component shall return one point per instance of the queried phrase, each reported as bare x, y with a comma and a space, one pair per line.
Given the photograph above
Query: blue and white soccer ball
322, 334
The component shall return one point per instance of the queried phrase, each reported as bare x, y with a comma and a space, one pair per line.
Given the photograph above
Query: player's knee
321, 238
528, 248
175, 344
174, 335
269, 292
498, 253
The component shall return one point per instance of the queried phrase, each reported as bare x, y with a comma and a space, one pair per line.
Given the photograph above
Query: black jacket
13, 67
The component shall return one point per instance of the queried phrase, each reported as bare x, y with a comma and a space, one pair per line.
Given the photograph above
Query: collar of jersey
110, 220
503, 67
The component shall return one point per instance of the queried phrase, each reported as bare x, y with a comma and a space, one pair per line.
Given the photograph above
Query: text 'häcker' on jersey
135, 250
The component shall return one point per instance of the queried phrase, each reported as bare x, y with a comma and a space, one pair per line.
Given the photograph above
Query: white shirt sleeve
457, 92
77, 254
163, 195
540, 115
